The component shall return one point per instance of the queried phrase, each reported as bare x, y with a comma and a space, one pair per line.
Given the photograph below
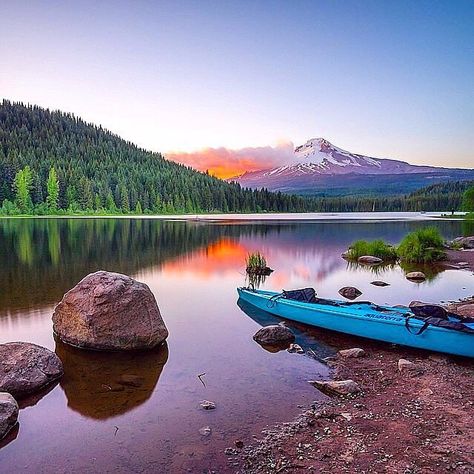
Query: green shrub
422, 246
376, 248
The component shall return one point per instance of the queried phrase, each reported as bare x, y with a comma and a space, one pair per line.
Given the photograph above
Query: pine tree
52, 188
22, 185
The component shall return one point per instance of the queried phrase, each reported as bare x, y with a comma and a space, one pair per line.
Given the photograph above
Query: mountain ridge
318, 162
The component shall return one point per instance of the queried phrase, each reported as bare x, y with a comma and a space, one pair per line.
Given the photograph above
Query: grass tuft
422, 246
376, 248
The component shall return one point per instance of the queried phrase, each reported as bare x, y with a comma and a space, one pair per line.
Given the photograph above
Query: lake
88, 424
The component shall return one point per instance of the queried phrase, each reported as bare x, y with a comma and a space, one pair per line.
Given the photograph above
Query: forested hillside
52, 161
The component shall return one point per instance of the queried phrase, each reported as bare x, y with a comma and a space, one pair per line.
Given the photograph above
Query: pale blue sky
384, 78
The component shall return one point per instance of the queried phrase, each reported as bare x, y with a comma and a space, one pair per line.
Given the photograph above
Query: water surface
93, 422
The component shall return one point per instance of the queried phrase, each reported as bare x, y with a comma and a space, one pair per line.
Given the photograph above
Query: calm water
193, 268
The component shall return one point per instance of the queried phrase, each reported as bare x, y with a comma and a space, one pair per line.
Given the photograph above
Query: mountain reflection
102, 385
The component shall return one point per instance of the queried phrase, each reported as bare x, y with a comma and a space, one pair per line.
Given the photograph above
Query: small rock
295, 348
338, 387
415, 276
354, 352
346, 416
350, 292
205, 431
369, 260
426, 392
230, 451
405, 365
274, 335
239, 444
8, 413
207, 405
379, 283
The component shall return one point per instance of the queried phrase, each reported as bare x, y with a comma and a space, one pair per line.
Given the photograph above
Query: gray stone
295, 348
8, 413
350, 353
207, 405
350, 292
337, 387
405, 365
415, 276
109, 311
205, 431
26, 368
379, 283
274, 335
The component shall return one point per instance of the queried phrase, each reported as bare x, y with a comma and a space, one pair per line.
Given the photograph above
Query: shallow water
89, 422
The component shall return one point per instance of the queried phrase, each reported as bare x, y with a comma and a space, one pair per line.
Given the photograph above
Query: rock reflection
102, 385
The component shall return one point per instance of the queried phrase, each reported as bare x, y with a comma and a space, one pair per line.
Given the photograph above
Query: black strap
421, 330
271, 302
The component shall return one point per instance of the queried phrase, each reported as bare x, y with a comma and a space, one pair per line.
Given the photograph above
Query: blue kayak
391, 324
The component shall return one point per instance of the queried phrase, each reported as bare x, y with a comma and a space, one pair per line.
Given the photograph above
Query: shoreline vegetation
421, 246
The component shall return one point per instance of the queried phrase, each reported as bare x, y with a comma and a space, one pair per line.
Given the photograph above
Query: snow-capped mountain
318, 161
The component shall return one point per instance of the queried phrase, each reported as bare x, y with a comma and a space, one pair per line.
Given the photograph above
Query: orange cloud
226, 163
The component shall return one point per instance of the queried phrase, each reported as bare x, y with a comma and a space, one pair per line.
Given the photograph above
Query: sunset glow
227, 163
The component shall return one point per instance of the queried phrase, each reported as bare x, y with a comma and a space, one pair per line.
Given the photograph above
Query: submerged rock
274, 335
415, 276
350, 292
369, 260
207, 405
26, 368
8, 413
205, 431
379, 283
350, 353
109, 311
337, 387
295, 348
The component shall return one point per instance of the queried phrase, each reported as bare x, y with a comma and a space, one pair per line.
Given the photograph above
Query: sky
234, 85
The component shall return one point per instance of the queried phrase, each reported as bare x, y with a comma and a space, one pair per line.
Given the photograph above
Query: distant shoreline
290, 217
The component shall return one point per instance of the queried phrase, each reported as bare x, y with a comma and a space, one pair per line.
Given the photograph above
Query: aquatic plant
255, 262
422, 246
377, 248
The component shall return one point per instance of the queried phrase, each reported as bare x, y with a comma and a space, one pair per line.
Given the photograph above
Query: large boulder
274, 335
350, 292
8, 413
25, 368
109, 311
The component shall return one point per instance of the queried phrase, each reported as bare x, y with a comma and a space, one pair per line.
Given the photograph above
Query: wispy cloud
226, 163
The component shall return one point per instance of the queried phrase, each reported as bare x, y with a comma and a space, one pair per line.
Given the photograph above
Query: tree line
55, 163
96, 171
